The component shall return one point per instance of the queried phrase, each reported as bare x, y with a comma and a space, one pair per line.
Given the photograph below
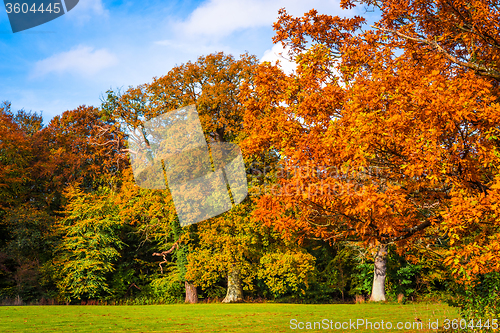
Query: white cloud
184, 47
277, 52
219, 18
86, 10
82, 60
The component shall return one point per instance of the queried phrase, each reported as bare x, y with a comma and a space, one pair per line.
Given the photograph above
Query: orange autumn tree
73, 149
212, 83
466, 34
386, 135
16, 156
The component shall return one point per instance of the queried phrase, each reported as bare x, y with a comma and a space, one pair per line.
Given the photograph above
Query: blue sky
102, 44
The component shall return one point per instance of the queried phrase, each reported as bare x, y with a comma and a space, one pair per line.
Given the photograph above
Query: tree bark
378, 289
234, 291
191, 293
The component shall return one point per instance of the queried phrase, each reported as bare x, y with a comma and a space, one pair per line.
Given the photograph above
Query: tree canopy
383, 135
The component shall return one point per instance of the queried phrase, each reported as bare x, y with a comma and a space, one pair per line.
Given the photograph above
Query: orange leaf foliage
387, 132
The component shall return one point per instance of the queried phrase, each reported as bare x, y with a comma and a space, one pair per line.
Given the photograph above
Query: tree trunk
234, 290
191, 293
378, 289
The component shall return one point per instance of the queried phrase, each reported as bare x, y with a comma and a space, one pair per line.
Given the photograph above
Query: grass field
217, 317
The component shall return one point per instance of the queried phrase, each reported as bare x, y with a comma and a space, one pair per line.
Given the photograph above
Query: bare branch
164, 253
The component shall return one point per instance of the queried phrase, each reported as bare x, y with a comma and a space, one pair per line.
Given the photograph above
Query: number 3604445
25, 8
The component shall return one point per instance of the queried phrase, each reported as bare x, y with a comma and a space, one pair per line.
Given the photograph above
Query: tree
240, 248
382, 137
89, 245
72, 148
16, 156
465, 34
227, 245
27, 248
22, 226
212, 84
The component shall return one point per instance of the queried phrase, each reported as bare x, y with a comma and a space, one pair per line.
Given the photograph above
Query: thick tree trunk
378, 289
191, 293
234, 291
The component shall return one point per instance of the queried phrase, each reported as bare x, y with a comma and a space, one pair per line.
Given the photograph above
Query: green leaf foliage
89, 246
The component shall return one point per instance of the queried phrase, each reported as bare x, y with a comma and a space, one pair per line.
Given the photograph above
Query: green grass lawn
260, 317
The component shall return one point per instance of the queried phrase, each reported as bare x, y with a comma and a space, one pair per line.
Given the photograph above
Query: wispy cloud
220, 18
184, 47
82, 60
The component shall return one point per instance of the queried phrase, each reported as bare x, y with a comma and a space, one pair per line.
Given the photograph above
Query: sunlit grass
262, 317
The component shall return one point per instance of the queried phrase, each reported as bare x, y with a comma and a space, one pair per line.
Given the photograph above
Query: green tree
89, 245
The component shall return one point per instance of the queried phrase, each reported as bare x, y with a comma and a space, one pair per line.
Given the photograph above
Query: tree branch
411, 231
479, 68
164, 253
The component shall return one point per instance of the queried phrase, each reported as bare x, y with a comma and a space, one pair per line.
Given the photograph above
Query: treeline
77, 228
373, 171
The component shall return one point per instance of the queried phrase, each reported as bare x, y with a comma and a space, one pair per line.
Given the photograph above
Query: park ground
217, 317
